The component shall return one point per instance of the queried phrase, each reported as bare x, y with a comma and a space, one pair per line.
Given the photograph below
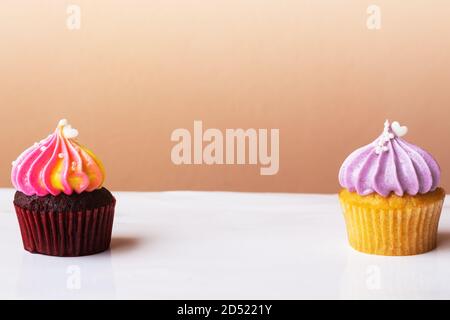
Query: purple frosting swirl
389, 164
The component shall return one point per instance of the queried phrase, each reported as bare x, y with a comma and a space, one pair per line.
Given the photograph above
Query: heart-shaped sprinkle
399, 130
70, 132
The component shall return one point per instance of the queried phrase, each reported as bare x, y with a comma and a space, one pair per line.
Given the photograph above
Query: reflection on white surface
422, 276
222, 245
373, 277
66, 278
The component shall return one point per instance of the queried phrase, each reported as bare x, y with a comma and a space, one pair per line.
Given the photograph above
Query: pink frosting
57, 164
390, 165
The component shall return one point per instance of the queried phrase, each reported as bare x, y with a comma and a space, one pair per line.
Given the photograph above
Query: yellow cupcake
393, 225
391, 200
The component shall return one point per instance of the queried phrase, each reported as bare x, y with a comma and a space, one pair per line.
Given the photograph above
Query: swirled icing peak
57, 164
390, 164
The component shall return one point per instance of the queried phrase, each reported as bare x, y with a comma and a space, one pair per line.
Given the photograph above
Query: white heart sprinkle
399, 130
70, 132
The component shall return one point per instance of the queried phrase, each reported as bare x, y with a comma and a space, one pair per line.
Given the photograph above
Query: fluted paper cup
66, 234
387, 228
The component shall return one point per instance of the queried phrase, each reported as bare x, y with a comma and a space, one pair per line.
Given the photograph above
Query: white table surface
219, 245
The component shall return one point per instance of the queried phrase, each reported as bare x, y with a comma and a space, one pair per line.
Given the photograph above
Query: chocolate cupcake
60, 203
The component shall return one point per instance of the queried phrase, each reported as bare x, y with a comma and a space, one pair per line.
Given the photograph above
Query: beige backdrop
136, 70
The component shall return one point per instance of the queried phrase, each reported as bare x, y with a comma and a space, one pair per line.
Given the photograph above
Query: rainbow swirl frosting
390, 165
57, 164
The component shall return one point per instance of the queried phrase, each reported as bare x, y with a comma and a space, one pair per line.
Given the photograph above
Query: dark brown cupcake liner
66, 234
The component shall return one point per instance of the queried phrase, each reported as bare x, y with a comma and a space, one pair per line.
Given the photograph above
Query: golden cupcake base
393, 225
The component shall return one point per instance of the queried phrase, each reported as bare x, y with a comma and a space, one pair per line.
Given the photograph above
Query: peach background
139, 69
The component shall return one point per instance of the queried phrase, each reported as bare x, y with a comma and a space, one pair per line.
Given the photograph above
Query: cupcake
390, 196
60, 203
